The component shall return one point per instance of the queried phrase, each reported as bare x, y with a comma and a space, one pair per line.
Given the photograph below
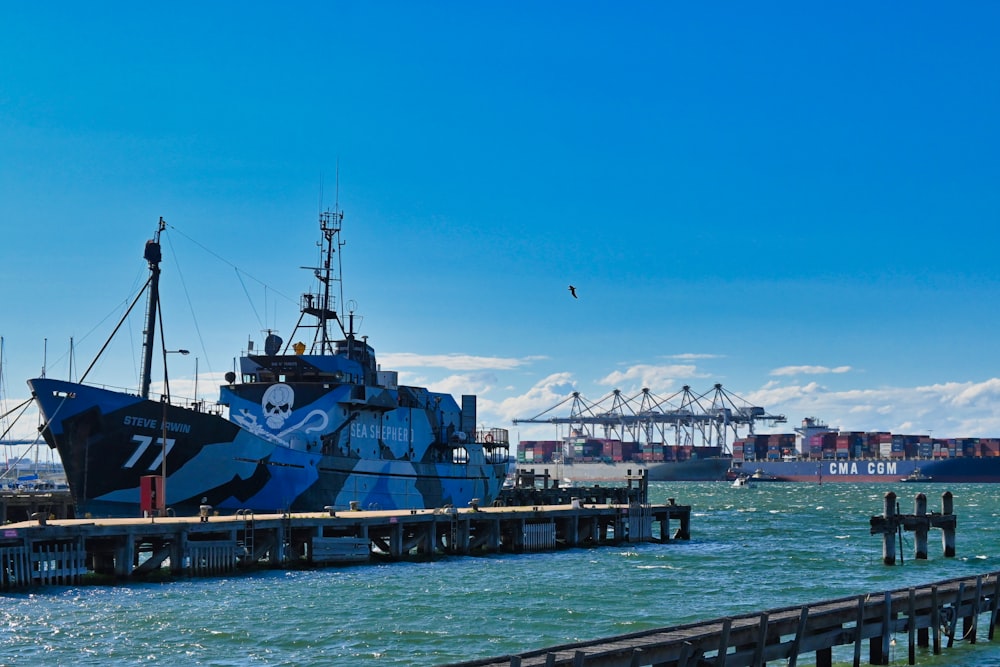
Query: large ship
304, 427
689, 437
818, 453
707, 469
683, 437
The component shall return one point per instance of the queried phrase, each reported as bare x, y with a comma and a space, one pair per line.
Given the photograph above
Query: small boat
743, 482
303, 427
760, 476
917, 476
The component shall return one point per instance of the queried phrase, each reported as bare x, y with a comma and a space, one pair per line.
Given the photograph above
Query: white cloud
970, 394
541, 396
655, 378
953, 409
553, 390
810, 370
470, 383
775, 394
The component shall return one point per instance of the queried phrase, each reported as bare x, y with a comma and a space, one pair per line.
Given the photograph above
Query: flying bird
572, 290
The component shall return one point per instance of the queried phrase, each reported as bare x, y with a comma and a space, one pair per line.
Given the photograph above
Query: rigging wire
108, 341
187, 296
240, 273
250, 299
234, 266
90, 332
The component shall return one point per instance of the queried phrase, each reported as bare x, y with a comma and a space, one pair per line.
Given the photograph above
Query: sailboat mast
153, 256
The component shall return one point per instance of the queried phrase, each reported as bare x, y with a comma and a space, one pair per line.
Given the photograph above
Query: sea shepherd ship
300, 430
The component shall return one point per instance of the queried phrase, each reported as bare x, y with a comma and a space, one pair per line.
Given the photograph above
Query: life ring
489, 437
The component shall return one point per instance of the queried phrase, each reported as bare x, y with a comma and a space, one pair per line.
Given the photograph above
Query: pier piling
891, 525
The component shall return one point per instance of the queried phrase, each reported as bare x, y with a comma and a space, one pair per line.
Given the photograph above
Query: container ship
815, 453
818, 453
682, 437
581, 458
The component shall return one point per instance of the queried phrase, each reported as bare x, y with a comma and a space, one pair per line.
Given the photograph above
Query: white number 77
144, 441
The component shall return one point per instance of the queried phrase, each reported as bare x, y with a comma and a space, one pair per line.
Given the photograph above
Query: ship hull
108, 441
694, 470
953, 470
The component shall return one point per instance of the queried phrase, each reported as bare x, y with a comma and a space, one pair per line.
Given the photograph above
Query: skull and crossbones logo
277, 404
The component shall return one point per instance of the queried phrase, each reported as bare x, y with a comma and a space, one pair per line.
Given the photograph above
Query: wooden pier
66, 551
21, 504
533, 488
928, 616
892, 523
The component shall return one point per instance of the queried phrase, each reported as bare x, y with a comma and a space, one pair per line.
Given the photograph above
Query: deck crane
712, 418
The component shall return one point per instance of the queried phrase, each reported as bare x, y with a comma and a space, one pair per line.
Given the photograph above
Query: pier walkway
65, 551
927, 616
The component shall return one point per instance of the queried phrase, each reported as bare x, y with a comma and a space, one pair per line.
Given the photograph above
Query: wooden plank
975, 616
886, 627
858, 631
727, 626
955, 613
911, 623
936, 620
994, 605
800, 631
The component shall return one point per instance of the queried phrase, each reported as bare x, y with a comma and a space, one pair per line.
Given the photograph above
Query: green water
751, 549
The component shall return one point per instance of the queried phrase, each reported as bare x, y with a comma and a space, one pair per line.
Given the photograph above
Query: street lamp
165, 400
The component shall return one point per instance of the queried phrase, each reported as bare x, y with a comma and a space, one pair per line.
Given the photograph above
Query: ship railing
496, 437
195, 405
495, 443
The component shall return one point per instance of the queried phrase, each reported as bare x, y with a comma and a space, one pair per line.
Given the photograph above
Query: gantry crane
695, 419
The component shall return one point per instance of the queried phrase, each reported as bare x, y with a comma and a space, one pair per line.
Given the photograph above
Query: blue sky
796, 200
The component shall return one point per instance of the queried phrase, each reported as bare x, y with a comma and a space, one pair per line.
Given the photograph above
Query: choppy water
751, 549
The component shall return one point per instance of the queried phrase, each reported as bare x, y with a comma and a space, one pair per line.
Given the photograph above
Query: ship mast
330, 223
321, 304
153, 256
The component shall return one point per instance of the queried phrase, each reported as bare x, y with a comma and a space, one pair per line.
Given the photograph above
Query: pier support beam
396, 540
889, 536
948, 530
178, 546
920, 533
425, 543
124, 557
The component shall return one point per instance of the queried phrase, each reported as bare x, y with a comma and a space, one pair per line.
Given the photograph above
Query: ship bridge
712, 418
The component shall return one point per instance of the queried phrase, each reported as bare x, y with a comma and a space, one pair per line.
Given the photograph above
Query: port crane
683, 418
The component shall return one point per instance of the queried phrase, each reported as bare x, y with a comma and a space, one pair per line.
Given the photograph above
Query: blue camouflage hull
109, 440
